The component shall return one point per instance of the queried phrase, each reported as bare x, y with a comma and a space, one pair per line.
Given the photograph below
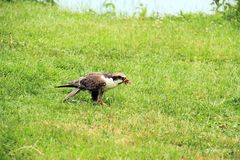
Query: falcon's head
120, 78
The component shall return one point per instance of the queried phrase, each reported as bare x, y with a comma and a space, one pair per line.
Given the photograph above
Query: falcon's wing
92, 82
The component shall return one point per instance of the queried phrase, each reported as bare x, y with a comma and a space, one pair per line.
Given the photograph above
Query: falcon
96, 83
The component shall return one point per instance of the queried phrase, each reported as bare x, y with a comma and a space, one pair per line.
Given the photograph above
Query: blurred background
134, 7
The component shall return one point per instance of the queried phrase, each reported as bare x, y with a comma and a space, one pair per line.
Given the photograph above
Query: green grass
184, 102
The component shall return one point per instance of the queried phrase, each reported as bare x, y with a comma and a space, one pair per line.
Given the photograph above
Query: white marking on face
118, 81
110, 83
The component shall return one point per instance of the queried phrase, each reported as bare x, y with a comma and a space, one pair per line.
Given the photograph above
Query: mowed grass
184, 102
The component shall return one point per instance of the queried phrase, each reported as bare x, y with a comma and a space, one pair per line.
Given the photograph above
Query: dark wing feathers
92, 82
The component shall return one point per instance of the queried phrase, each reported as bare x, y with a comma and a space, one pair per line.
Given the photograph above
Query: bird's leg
100, 95
94, 95
97, 96
71, 94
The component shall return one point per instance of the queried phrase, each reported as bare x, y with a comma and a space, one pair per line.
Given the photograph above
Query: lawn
184, 102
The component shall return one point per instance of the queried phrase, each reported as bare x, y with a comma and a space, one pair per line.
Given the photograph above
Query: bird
96, 83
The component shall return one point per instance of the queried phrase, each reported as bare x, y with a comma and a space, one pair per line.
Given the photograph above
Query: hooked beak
126, 81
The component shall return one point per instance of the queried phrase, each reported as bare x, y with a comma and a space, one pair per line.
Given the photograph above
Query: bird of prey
96, 83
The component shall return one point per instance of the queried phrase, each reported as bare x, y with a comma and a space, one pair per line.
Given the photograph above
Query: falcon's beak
126, 81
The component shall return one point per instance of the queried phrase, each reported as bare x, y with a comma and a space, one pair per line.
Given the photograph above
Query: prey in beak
120, 78
96, 83
126, 81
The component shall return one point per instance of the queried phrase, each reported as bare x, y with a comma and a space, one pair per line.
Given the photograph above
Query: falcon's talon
96, 83
101, 103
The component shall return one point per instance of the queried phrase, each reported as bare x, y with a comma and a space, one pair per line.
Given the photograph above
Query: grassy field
184, 102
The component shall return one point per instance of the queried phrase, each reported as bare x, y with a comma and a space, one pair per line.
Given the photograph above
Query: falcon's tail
67, 85
73, 84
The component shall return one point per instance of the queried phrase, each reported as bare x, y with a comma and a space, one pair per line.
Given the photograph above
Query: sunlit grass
183, 104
